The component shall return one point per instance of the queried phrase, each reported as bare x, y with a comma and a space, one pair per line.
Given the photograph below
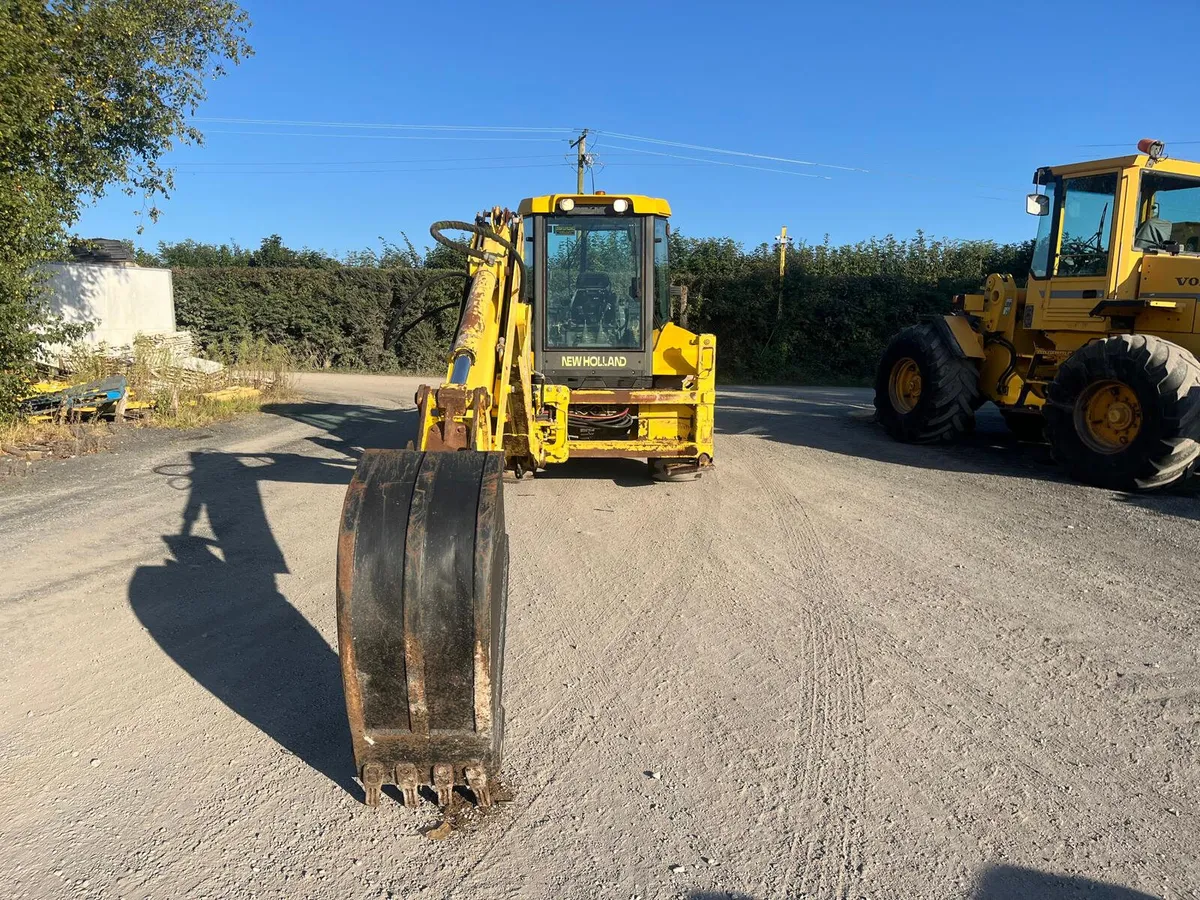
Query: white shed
121, 300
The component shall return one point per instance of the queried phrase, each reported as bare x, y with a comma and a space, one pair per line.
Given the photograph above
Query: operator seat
593, 297
1153, 233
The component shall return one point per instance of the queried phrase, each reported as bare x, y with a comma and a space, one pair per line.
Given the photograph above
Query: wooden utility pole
583, 160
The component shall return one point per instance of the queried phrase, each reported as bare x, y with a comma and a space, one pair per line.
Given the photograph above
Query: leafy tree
272, 254
92, 93
193, 255
390, 256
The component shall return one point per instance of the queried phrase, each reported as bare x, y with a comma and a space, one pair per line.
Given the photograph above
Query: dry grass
22, 442
178, 396
162, 393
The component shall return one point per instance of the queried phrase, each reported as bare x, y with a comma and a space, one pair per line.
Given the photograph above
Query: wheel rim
1108, 416
904, 385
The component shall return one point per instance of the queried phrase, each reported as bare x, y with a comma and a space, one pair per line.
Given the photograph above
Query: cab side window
662, 275
1087, 225
1169, 212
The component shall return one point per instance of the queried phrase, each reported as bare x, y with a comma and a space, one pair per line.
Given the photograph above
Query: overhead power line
384, 137
364, 162
718, 162
799, 162
700, 147
502, 133
185, 171
230, 120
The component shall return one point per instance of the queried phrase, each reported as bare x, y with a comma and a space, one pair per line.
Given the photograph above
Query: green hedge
840, 305
346, 317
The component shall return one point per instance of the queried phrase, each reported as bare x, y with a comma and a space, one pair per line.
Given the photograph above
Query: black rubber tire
1166, 380
657, 467
1025, 426
945, 410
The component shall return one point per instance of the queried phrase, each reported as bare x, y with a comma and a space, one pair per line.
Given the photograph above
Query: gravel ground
859, 669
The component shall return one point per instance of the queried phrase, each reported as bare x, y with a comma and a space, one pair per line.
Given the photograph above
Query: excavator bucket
422, 586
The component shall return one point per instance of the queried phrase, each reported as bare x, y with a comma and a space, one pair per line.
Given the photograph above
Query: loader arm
423, 555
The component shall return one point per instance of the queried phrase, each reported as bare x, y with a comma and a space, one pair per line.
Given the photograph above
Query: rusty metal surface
632, 449
680, 470
477, 313
634, 397
421, 592
445, 409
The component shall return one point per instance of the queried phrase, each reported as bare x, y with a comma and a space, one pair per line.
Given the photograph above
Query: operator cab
1147, 203
599, 285
1117, 245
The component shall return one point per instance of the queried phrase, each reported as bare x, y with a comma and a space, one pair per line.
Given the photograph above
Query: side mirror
1037, 204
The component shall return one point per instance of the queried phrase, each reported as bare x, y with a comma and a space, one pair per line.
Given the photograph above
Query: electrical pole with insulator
583, 160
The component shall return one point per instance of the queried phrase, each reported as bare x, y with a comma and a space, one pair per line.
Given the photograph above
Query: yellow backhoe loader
1096, 352
565, 348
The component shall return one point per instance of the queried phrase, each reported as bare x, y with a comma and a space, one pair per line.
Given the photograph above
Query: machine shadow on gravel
838, 420
1018, 883
1008, 883
215, 608
621, 472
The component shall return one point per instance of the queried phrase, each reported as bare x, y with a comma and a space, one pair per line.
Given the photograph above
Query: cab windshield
593, 283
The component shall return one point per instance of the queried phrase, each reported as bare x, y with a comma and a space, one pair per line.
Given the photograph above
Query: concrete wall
122, 301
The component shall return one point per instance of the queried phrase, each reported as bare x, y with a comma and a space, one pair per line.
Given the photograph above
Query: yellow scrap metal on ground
565, 348
1097, 351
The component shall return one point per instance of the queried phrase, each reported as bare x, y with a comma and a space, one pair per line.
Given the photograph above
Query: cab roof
1116, 163
639, 204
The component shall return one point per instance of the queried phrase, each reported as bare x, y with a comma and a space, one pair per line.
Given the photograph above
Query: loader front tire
1123, 412
925, 392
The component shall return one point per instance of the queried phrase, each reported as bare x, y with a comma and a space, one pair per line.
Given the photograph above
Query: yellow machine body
1135, 289
564, 348
1097, 352
491, 401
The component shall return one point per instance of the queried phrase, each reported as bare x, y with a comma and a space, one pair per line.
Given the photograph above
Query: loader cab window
1089, 203
529, 256
593, 282
1168, 212
662, 275
1040, 267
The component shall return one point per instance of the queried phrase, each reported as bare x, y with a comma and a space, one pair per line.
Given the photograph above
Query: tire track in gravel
1044, 761
827, 757
984, 704
661, 593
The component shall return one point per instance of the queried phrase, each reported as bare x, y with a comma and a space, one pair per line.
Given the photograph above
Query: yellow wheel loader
1097, 351
565, 348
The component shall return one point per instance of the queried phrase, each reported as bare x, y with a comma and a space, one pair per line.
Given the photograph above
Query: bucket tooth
477, 781
408, 781
372, 780
443, 783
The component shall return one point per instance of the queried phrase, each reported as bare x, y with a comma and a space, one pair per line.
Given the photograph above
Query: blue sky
948, 106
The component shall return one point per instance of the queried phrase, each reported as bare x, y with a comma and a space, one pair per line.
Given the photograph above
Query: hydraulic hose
484, 231
392, 339
461, 364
